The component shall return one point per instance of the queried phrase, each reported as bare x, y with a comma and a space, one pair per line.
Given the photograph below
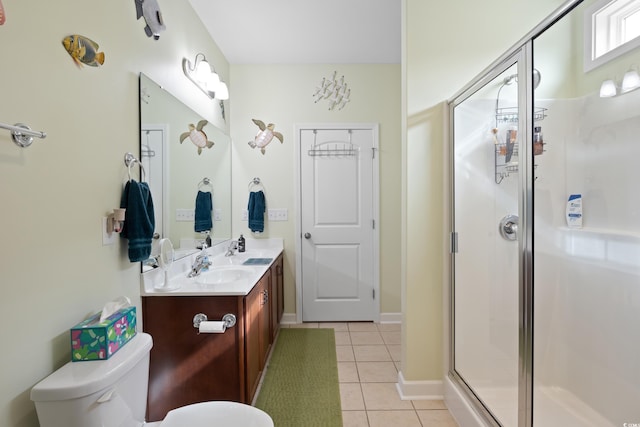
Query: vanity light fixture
630, 81
608, 89
115, 221
202, 74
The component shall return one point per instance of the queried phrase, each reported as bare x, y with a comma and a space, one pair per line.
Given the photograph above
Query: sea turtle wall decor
197, 136
265, 135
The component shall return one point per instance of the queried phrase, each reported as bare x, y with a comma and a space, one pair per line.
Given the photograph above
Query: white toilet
113, 393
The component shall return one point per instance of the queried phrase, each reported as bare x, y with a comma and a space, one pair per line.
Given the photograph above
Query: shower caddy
503, 153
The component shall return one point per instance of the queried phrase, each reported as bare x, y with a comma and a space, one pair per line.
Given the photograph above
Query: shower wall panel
587, 281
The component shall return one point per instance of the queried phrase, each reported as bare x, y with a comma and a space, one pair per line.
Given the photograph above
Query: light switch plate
185, 215
277, 214
217, 214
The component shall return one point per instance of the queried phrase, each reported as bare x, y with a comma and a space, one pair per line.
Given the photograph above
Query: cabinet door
280, 289
253, 304
276, 297
265, 320
187, 367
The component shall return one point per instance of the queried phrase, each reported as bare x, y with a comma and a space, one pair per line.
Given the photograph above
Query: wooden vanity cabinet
276, 295
257, 338
187, 367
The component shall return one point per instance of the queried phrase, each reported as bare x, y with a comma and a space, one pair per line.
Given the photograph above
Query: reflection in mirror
179, 166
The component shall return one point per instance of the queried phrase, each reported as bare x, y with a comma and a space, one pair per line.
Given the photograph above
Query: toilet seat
216, 414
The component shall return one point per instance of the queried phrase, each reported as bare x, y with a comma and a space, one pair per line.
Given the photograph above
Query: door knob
307, 235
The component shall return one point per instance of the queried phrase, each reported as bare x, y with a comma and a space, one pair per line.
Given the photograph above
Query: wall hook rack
22, 134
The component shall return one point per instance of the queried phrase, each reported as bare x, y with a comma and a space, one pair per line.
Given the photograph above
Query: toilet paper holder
228, 319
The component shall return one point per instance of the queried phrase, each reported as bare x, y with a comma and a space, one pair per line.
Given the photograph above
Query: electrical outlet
245, 215
108, 238
185, 215
217, 214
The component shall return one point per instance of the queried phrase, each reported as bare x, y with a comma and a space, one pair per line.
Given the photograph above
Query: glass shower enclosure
545, 236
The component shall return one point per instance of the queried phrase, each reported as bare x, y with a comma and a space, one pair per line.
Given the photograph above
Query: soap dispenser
241, 244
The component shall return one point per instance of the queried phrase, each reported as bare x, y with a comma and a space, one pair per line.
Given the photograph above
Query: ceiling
304, 31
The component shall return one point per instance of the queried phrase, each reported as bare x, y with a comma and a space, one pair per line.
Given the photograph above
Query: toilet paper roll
208, 327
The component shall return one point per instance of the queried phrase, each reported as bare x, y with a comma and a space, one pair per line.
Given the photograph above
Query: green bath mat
300, 387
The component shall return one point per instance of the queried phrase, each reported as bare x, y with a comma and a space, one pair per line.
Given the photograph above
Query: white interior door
338, 243
152, 153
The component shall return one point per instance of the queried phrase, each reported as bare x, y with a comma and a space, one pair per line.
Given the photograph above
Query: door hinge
373, 224
374, 293
454, 242
373, 152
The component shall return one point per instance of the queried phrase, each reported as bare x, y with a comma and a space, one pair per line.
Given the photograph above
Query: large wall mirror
177, 171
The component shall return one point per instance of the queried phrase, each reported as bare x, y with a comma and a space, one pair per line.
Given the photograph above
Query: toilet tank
108, 393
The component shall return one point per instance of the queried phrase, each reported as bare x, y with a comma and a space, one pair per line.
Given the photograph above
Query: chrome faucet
233, 247
201, 262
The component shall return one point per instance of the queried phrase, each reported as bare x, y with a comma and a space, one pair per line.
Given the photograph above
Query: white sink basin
219, 414
223, 275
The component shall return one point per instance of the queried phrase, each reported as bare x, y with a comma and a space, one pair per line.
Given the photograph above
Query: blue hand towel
139, 219
256, 211
204, 206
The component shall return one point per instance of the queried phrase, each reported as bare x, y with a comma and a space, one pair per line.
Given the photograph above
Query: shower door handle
509, 227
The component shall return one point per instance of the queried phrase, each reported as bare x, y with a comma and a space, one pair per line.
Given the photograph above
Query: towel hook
204, 183
130, 160
255, 181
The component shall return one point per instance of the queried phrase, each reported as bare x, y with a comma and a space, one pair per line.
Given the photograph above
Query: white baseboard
288, 319
390, 317
419, 390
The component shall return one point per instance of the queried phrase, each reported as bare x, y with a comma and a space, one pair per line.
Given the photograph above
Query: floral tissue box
95, 340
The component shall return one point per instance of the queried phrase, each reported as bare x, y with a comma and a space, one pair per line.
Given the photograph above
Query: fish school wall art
264, 135
197, 136
83, 50
3, 17
335, 90
150, 11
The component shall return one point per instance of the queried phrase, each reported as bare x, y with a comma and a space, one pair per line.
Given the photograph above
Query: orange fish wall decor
83, 50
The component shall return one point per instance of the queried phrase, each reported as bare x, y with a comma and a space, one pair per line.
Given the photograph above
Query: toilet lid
217, 414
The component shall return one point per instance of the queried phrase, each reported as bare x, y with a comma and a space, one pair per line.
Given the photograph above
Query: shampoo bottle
574, 211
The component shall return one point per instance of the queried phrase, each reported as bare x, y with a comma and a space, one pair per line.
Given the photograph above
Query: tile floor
368, 363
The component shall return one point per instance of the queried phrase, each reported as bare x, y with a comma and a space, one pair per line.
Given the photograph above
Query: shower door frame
522, 54
523, 58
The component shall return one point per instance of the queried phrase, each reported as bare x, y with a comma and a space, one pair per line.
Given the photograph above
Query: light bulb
213, 81
608, 89
630, 81
222, 93
203, 71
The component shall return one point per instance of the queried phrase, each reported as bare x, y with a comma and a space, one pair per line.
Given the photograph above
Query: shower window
612, 27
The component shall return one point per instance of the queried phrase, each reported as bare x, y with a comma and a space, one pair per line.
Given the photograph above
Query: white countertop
215, 281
